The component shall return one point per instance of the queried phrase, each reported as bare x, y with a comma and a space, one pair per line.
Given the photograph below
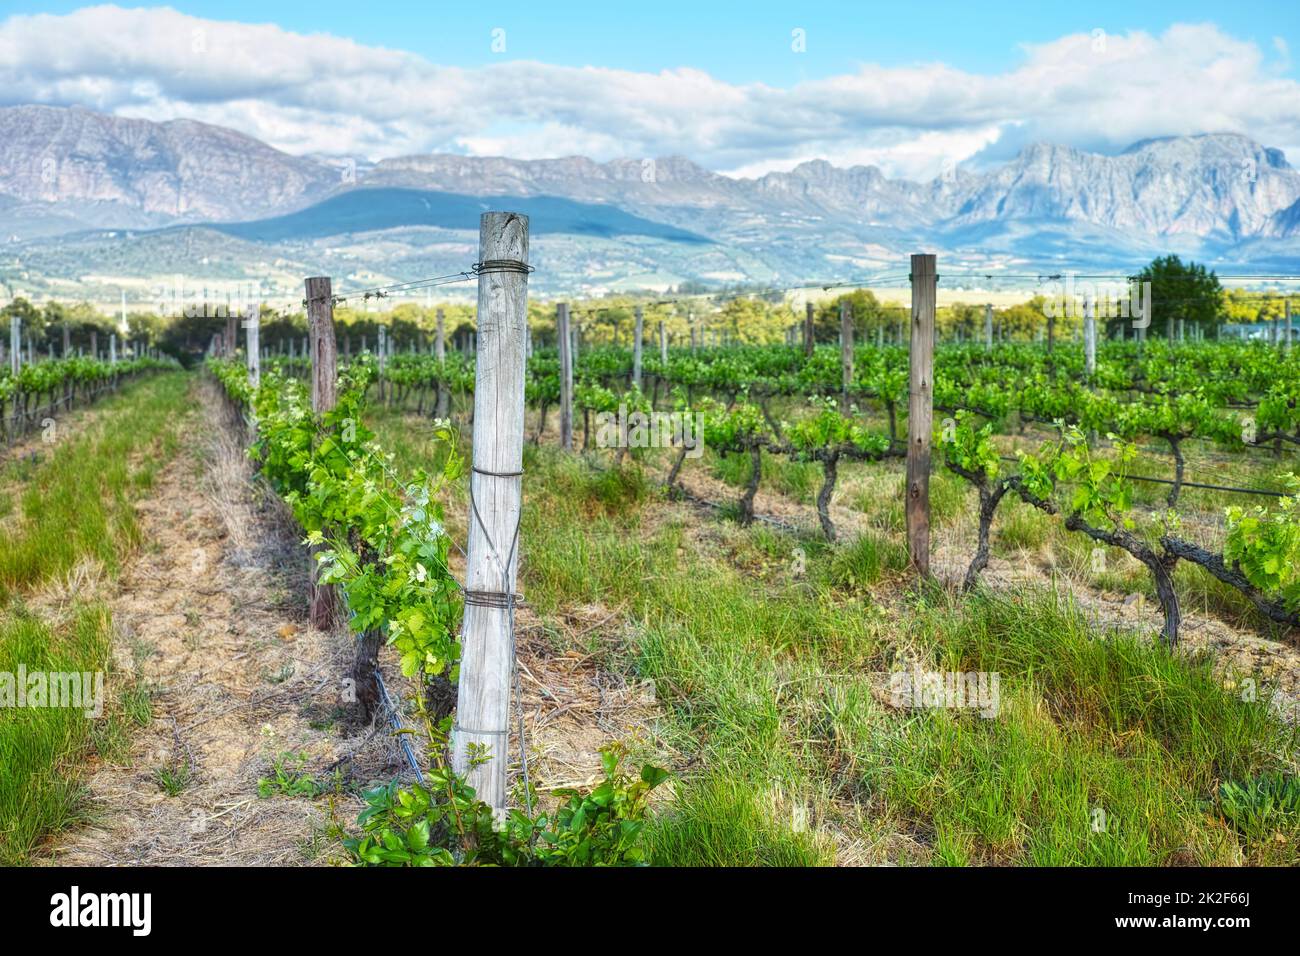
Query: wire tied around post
502, 600
490, 266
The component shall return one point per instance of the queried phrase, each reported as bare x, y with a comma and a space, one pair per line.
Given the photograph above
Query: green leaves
445, 824
1264, 542
970, 448
380, 536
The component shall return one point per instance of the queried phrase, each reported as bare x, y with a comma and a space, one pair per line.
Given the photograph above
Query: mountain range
91, 203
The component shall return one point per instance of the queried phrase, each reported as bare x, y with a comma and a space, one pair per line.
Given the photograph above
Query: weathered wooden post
112, 348
94, 345
1286, 308
232, 331
324, 396
15, 344
252, 343
988, 327
846, 348
566, 375
440, 353
383, 357
482, 730
920, 412
1089, 337
808, 329
663, 344
638, 334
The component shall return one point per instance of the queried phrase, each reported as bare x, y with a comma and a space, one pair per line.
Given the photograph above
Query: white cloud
333, 95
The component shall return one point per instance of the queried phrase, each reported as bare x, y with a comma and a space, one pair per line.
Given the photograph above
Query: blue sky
914, 90
739, 42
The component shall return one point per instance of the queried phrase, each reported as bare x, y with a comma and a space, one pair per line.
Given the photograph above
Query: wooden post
1089, 337
988, 327
228, 346
638, 334
15, 344
252, 336
920, 412
94, 344
663, 344
1286, 308
808, 329
566, 375
846, 348
483, 695
440, 353
112, 349
324, 396
67, 339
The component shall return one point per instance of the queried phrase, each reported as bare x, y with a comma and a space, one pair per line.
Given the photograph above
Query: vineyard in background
773, 401
1171, 452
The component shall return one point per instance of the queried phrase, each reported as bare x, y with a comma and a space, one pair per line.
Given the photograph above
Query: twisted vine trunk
1213, 563
830, 467
756, 473
990, 498
671, 486
1161, 567
364, 685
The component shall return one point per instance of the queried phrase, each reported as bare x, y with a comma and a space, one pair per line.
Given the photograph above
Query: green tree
1181, 290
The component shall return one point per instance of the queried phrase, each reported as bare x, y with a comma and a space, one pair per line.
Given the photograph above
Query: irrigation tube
396, 721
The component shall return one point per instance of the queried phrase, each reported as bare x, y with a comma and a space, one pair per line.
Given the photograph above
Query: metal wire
505, 600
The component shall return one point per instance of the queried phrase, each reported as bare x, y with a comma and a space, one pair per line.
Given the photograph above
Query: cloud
329, 94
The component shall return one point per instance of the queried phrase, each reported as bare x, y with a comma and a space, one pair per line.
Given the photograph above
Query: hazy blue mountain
82, 195
369, 209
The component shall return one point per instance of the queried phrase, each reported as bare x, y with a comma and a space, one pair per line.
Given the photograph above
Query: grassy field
72, 509
771, 654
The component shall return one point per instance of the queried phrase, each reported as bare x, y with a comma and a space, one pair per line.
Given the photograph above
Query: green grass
1019, 527
173, 778
1106, 750
864, 560
717, 822
77, 504
41, 748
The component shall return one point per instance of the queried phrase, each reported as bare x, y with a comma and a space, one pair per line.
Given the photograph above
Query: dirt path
209, 616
